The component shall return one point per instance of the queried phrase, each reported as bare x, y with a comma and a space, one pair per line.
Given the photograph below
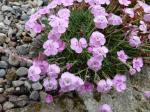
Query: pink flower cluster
119, 83
54, 79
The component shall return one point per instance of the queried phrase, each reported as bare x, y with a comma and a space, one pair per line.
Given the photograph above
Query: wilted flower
143, 27
132, 71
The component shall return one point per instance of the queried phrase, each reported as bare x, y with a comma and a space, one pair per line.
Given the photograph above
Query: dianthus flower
97, 39
134, 41
95, 63
143, 27
104, 86
105, 108
78, 46
132, 71
34, 73
122, 56
69, 82
137, 63
50, 84
125, 2
86, 88
53, 71
130, 12
100, 51
114, 19
101, 22
51, 47
119, 82
49, 99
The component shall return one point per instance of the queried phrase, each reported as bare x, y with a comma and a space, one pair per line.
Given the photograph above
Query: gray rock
22, 71
2, 73
3, 64
17, 83
6, 8
18, 101
24, 17
13, 61
8, 105
1, 90
27, 84
1, 108
9, 90
1, 17
23, 49
4, 58
2, 98
34, 95
2, 38
37, 86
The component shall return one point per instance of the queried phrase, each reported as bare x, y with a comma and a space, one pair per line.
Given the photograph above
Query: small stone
27, 84
8, 105
17, 83
2, 98
3, 64
37, 86
27, 39
1, 17
34, 95
2, 73
6, 8
13, 61
1, 108
9, 90
11, 74
23, 49
1, 90
2, 38
22, 71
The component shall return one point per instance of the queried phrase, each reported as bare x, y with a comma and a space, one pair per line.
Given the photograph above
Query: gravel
2, 73
37, 86
34, 95
3, 64
22, 71
17, 83
8, 105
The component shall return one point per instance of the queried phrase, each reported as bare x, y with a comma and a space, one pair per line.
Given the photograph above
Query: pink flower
69, 82
137, 63
132, 71
43, 65
104, 86
34, 73
54, 35
53, 71
49, 99
149, 36
62, 45
101, 22
114, 19
147, 94
37, 28
69, 66
78, 46
129, 11
146, 17
122, 56
51, 47
119, 82
95, 63
105, 108
44, 10
100, 51
134, 41
145, 6
64, 13
143, 27
125, 2
67, 2
86, 88
98, 10
97, 39
50, 84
